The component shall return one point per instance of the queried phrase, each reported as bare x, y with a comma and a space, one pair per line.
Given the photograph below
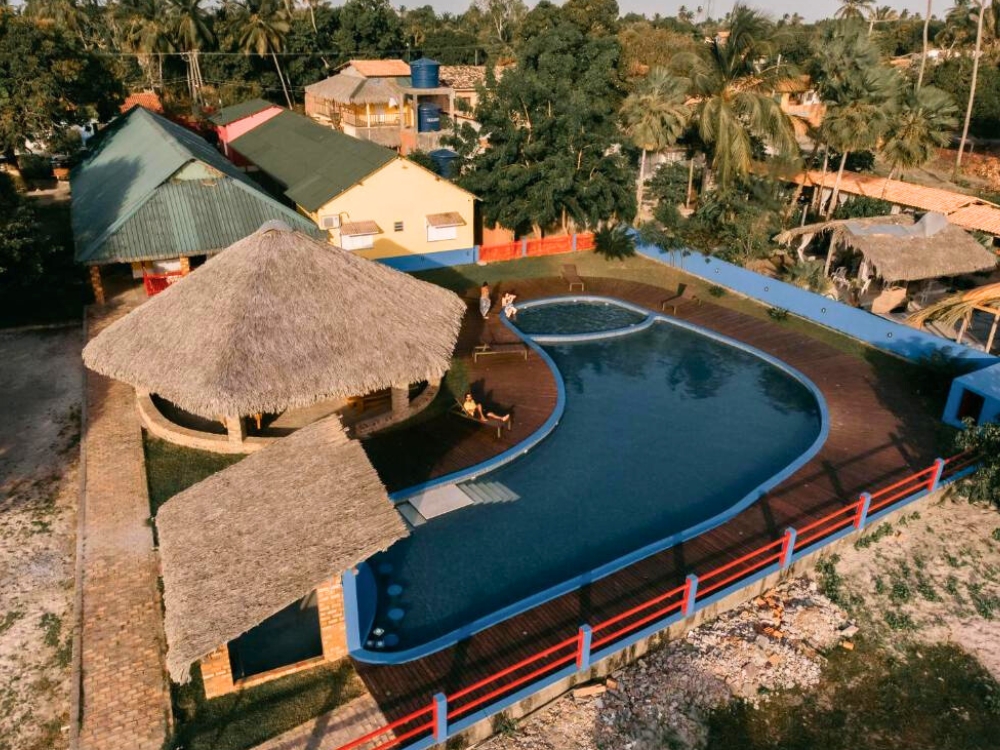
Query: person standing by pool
484, 300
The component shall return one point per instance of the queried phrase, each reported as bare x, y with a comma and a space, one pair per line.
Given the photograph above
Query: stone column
332, 625
96, 284
400, 399
216, 673
185, 266
237, 429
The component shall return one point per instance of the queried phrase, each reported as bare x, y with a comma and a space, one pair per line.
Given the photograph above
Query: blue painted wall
887, 335
429, 261
986, 383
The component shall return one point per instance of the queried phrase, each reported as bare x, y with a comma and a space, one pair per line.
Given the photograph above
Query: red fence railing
430, 725
564, 243
157, 282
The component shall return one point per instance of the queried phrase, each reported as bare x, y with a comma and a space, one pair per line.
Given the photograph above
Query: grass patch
248, 717
881, 531
830, 581
985, 604
171, 469
899, 620
933, 697
9, 619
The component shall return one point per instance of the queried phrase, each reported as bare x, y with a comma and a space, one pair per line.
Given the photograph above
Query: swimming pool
576, 318
655, 445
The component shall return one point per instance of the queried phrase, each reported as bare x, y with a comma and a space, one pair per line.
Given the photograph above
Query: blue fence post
690, 595
938, 471
862, 516
788, 548
583, 640
440, 717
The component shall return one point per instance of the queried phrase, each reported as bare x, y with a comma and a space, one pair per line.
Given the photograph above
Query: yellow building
368, 199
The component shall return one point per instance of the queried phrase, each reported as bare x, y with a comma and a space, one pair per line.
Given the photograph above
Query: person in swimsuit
474, 410
507, 304
484, 300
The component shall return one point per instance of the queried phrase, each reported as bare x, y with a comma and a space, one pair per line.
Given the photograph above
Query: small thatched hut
280, 320
251, 540
899, 249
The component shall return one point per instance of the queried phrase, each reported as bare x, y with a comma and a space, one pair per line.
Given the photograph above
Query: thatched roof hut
250, 540
901, 249
280, 320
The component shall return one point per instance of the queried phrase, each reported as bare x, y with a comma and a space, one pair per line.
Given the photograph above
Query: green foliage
983, 440
244, 719
807, 275
171, 469
614, 243
423, 159
652, 233
741, 221
995, 534
862, 207
881, 531
551, 122
830, 581
368, 28
777, 314
716, 291
922, 122
955, 77
504, 724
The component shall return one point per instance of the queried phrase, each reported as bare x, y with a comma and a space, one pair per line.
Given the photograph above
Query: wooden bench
684, 294
487, 349
570, 275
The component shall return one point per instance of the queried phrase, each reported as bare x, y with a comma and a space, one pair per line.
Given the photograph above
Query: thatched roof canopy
281, 320
250, 540
904, 250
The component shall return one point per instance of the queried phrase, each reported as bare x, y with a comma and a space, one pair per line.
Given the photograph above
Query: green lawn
171, 469
929, 697
247, 718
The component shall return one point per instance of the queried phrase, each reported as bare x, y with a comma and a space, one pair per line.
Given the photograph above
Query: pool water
576, 317
663, 429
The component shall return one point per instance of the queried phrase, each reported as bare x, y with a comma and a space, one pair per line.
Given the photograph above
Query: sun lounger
571, 277
457, 409
684, 294
487, 349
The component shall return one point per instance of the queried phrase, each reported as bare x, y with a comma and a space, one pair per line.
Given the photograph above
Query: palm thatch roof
250, 540
955, 308
280, 320
901, 249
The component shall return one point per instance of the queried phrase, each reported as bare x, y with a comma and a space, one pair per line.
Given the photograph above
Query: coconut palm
733, 92
980, 6
924, 120
191, 33
926, 45
882, 14
145, 30
655, 117
67, 14
263, 26
856, 10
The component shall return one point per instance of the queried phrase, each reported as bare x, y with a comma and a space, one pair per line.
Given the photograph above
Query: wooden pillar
216, 673
400, 398
993, 331
185, 266
332, 624
96, 284
964, 328
237, 429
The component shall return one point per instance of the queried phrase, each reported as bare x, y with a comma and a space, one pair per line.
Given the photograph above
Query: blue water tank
424, 73
428, 118
444, 162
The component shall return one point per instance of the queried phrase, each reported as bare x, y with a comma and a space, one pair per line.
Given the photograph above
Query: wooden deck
878, 433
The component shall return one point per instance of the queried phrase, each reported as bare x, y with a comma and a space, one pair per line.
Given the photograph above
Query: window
444, 226
397, 227
436, 234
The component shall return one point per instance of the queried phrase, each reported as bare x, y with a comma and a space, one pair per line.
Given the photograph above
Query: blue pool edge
353, 594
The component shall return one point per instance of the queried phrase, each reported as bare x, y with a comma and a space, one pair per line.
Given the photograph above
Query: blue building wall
430, 261
986, 383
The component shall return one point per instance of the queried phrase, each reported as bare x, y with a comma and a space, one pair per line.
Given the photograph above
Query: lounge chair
460, 411
491, 347
570, 275
684, 294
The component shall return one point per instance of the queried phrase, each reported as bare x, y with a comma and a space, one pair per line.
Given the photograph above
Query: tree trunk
822, 185
639, 189
836, 186
281, 78
972, 89
871, 25
312, 17
923, 57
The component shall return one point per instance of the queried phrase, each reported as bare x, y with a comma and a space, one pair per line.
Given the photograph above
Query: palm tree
263, 26
925, 119
926, 47
145, 30
856, 10
733, 92
980, 18
655, 117
882, 14
191, 32
67, 14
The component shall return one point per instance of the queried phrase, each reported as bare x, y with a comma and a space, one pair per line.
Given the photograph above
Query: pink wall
232, 131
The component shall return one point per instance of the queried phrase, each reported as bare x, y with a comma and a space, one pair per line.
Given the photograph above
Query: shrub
716, 291
777, 313
862, 207
615, 243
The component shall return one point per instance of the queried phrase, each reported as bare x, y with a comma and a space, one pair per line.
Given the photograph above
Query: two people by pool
486, 302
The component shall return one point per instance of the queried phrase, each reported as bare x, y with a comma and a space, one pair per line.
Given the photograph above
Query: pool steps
437, 501
486, 493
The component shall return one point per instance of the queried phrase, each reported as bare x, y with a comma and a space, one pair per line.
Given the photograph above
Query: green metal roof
117, 195
312, 162
227, 115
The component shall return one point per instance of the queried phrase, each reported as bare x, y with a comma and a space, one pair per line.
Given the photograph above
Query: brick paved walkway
125, 699
333, 729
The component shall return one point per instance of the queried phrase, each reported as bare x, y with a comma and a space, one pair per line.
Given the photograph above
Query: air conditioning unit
331, 222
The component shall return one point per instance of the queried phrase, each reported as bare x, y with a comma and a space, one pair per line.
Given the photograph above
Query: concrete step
439, 500
411, 515
486, 492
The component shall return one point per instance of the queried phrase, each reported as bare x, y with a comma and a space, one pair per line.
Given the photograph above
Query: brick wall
216, 674
332, 626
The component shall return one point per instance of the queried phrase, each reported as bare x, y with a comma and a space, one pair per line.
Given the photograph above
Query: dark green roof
313, 163
126, 207
227, 115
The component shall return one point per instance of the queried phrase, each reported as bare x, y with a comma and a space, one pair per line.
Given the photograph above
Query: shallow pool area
662, 438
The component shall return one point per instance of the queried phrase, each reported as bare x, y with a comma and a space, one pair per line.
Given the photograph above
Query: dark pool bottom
663, 429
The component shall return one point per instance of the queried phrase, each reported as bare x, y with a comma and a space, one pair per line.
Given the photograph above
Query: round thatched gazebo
279, 321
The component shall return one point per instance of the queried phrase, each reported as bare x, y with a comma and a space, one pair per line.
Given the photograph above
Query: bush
984, 440
777, 313
615, 243
862, 207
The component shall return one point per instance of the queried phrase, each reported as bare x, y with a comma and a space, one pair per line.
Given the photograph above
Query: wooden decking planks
878, 433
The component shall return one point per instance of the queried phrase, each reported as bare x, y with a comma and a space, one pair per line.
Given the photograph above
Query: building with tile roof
368, 198
153, 194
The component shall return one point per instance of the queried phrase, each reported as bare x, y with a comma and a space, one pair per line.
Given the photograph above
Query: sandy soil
40, 396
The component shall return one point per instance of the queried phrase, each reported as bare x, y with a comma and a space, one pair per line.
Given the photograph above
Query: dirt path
40, 394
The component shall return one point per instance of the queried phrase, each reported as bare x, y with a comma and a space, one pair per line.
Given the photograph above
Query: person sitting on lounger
507, 304
474, 410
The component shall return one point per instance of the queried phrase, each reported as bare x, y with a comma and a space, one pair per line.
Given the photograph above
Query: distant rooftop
228, 115
148, 99
380, 68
